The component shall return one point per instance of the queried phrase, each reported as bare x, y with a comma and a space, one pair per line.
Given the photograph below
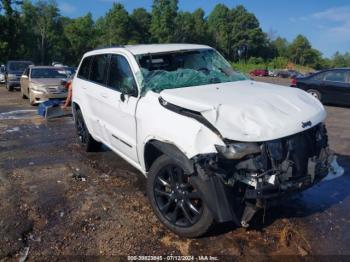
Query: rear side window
337, 76
318, 77
84, 70
121, 77
99, 68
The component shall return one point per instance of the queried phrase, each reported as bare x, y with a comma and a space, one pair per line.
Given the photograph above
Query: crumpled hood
250, 111
47, 81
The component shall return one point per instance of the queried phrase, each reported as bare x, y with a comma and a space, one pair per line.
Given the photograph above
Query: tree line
38, 32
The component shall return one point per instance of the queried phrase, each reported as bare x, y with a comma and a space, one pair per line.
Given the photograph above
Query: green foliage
35, 30
279, 62
164, 14
341, 60
247, 67
140, 22
80, 34
255, 60
281, 45
115, 27
247, 38
220, 27
301, 52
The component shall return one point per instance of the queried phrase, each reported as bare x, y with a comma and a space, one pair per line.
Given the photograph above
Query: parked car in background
273, 73
57, 64
199, 131
293, 82
14, 71
329, 86
2, 74
70, 71
283, 74
259, 72
294, 74
40, 83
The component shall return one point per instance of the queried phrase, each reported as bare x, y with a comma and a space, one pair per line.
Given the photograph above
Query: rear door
336, 86
119, 104
95, 94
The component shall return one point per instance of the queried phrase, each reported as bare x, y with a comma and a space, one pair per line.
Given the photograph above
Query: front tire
176, 202
86, 140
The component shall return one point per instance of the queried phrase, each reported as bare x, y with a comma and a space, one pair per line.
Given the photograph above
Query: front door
120, 100
336, 86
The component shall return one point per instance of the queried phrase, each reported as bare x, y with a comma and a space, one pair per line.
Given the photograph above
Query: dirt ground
60, 202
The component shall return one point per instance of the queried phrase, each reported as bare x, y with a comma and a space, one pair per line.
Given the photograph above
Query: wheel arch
155, 148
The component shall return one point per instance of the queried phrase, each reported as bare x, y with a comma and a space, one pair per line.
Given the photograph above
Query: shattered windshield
185, 69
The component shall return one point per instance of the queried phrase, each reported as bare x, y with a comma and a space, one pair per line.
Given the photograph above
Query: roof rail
108, 46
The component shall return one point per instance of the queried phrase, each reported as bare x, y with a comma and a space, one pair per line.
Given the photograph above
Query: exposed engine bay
270, 170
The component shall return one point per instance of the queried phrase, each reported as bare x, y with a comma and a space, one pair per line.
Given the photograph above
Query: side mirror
122, 97
126, 90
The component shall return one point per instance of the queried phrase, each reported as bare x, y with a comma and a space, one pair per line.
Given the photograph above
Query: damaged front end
252, 173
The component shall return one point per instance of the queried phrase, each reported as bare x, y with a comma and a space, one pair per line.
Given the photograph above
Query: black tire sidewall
91, 144
196, 230
316, 92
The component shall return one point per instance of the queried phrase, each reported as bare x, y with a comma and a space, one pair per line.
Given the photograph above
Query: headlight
38, 89
238, 150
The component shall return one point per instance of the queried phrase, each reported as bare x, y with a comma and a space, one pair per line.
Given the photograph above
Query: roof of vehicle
163, 48
156, 48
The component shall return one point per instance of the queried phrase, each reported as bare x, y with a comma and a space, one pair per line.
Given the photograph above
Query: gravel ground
60, 202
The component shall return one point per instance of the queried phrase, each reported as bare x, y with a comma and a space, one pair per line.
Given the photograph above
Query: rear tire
315, 94
86, 140
175, 201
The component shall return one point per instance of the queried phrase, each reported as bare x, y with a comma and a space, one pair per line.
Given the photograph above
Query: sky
326, 23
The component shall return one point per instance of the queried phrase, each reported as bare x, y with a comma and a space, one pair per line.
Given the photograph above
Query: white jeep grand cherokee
214, 145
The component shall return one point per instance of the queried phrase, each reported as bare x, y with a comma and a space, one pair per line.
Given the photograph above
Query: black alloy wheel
86, 140
176, 198
176, 202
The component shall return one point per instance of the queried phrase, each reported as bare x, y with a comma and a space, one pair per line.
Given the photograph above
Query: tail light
294, 82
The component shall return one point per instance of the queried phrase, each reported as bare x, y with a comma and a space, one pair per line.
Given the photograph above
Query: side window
336, 76
99, 68
318, 77
84, 70
348, 77
120, 76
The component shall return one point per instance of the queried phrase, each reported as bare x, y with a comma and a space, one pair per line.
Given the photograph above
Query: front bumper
283, 167
269, 191
14, 83
40, 97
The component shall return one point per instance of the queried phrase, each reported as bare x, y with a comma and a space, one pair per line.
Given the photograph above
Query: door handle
104, 95
83, 87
